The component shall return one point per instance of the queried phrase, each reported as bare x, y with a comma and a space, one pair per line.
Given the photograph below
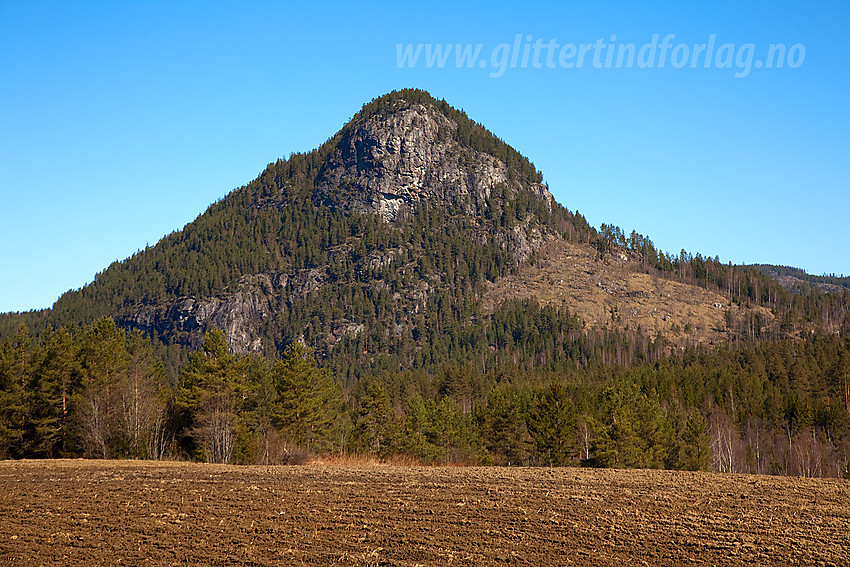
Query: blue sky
121, 122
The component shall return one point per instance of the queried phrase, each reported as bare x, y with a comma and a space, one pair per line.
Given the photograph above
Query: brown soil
142, 513
614, 293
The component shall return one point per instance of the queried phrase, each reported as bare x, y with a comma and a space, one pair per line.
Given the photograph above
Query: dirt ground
85, 513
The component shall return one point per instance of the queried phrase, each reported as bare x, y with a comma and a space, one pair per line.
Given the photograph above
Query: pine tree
103, 360
309, 401
552, 425
503, 428
376, 426
58, 373
695, 452
16, 370
209, 397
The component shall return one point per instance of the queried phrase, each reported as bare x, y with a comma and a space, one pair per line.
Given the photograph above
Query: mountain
402, 242
413, 289
410, 203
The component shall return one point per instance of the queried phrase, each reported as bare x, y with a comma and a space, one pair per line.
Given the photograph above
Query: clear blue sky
121, 122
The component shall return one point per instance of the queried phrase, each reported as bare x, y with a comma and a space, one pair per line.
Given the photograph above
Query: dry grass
357, 460
614, 294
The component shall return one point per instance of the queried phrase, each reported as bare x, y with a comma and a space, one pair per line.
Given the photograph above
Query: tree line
99, 391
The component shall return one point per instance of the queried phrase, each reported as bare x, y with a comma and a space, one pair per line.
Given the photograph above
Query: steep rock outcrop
185, 319
390, 163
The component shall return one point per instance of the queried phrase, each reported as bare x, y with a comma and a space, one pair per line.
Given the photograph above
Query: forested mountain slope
402, 215
384, 241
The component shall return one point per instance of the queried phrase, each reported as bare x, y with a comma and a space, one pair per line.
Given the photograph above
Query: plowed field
141, 513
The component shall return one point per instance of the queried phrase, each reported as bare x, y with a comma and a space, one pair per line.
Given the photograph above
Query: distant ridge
797, 280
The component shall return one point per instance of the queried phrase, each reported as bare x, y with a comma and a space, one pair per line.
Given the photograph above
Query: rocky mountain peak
408, 149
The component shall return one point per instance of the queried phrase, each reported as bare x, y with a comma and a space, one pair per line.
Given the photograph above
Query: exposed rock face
389, 164
238, 314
